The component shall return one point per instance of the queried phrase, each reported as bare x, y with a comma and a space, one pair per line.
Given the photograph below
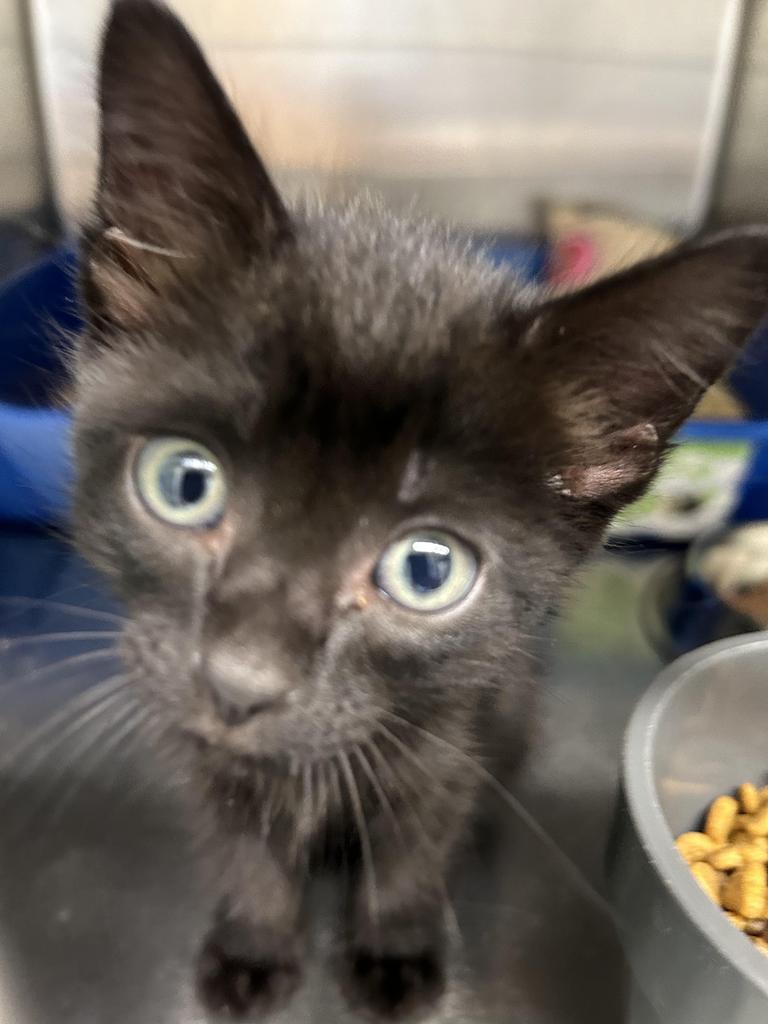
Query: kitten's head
337, 465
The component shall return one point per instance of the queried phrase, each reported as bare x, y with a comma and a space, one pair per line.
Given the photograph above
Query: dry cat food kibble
728, 859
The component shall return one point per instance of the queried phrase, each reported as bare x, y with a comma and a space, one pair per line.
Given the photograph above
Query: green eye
181, 482
427, 571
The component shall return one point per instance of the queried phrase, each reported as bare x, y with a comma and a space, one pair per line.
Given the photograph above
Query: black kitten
340, 469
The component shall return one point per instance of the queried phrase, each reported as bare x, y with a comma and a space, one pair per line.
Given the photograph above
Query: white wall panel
21, 180
475, 108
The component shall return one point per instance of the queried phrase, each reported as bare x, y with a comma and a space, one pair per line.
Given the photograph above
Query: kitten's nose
240, 687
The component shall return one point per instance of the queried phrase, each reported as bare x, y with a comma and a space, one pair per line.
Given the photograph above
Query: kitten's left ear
620, 365
180, 189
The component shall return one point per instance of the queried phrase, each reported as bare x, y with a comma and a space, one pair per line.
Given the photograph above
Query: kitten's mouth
280, 733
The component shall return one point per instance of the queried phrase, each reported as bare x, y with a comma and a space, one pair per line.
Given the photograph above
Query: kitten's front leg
250, 962
394, 964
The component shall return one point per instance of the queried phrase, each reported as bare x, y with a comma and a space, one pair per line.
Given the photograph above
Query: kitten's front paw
393, 985
245, 971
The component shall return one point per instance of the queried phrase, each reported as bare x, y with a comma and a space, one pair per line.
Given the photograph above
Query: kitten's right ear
622, 363
181, 192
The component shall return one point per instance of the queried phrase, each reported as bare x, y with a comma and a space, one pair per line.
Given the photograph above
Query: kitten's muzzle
241, 688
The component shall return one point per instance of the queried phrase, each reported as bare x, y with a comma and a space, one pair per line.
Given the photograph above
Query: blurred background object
27, 221
475, 109
22, 178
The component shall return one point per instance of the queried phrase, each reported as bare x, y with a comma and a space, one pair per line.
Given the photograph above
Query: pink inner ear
573, 259
599, 481
616, 462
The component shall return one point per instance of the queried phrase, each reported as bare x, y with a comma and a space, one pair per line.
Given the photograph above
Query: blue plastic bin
38, 309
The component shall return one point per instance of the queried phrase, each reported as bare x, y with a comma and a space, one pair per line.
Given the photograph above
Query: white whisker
308, 803
84, 658
334, 776
104, 741
323, 793
365, 840
412, 812
11, 643
421, 830
577, 877
103, 693
267, 810
378, 788
92, 713
335, 784
30, 603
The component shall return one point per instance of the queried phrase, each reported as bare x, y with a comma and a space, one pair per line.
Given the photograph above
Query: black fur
356, 374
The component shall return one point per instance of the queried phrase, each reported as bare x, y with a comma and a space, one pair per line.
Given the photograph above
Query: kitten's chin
277, 737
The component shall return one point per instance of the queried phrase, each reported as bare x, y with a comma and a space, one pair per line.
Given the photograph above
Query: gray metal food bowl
699, 731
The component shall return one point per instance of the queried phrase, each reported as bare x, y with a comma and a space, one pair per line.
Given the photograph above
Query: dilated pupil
192, 486
184, 479
427, 570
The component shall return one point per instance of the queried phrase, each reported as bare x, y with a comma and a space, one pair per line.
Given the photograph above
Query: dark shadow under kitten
341, 470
